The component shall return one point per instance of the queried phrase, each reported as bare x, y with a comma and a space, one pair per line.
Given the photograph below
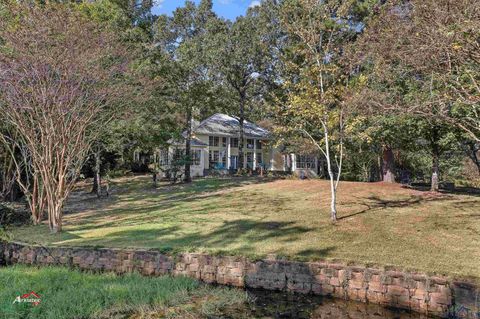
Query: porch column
294, 162
254, 154
245, 150
229, 162
271, 159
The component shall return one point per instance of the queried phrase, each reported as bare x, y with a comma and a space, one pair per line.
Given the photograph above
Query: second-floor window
234, 142
250, 143
224, 141
259, 158
213, 140
259, 144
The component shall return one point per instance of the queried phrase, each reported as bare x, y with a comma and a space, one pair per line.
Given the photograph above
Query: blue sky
229, 9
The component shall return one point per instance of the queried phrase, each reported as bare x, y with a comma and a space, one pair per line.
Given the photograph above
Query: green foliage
10, 216
105, 11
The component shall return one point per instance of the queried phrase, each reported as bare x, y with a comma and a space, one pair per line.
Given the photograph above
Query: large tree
422, 58
183, 57
58, 73
243, 63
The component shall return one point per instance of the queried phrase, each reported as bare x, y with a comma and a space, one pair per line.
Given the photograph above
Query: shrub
10, 216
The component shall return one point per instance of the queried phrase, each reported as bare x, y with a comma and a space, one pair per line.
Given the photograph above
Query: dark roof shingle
225, 125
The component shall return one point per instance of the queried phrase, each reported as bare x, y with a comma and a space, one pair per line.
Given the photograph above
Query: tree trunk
97, 181
474, 149
54, 209
333, 202
37, 200
188, 143
7, 179
435, 167
333, 190
241, 123
388, 164
435, 136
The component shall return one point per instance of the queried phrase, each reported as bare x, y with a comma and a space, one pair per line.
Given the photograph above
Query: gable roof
226, 125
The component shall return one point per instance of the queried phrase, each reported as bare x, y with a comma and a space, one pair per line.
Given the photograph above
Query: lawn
380, 224
71, 294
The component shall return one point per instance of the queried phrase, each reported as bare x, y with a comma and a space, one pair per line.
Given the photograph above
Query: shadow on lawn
141, 189
182, 191
239, 232
456, 190
375, 203
152, 205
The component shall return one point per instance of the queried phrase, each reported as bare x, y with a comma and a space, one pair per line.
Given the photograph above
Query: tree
181, 42
422, 60
317, 33
58, 72
132, 22
7, 170
241, 60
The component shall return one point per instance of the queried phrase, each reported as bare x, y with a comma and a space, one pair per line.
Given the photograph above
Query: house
214, 148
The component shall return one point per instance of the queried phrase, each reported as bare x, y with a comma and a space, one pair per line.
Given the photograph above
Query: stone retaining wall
421, 293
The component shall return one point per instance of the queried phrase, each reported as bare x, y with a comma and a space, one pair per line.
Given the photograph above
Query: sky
229, 9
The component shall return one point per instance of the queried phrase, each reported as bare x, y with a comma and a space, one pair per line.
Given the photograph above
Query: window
224, 159
213, 159
213, 140
234, 142
259, 144
163, 160
250, 160
224, 141
305, 161
259, 158
178, 154
195, 156
250, 143
233, 162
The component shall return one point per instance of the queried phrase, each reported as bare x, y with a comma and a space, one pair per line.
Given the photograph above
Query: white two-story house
214, 147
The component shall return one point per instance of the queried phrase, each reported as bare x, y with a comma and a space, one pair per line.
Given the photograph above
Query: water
268, 304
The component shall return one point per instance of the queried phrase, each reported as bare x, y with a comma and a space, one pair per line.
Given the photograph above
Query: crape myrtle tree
423, 59
20, 170
183, 56
58, 73
316, 80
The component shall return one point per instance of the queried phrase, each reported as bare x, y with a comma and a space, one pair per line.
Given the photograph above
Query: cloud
254, 3
224, 1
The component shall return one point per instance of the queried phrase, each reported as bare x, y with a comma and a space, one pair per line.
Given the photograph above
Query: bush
10, 216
